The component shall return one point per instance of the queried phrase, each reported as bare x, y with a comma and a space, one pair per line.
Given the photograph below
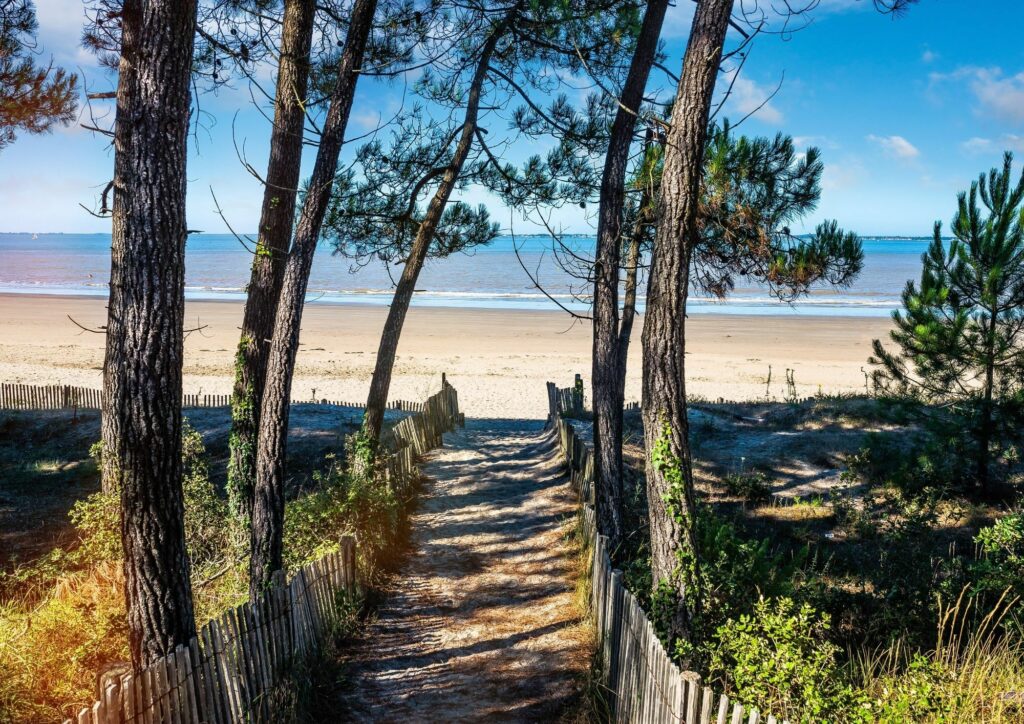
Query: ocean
493, 277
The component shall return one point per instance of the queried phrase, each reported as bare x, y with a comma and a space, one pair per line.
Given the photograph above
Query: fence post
348, 557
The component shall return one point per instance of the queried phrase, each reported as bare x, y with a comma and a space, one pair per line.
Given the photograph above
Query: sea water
510, 273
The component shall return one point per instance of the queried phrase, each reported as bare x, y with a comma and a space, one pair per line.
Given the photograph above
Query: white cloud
747, 97
1006, 142
977, 145
896, 146
817, 141
1004, 97
60, 32
998, 94
844, 175
929, 56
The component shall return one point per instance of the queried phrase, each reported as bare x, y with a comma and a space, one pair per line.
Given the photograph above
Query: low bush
63, 618
753, 485
344, 501
779, 658
922, 464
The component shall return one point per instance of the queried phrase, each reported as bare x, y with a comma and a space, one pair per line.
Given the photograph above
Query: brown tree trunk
142, 369
268, 500
381, 382
987, 426
275, 234
629, 290
608, 363
674, 554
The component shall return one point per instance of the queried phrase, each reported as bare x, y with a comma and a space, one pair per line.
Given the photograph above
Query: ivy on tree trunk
268, 505
674, 554
275, 232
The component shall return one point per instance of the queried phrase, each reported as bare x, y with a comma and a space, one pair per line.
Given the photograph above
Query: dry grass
974, 674
50, 654
593, 702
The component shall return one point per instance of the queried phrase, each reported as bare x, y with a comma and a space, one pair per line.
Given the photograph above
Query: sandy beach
497, 359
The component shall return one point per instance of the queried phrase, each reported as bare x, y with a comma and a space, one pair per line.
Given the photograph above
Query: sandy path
482, 624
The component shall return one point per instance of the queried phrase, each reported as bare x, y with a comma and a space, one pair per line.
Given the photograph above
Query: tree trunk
146, 311
268, 500
381, 381
607, 365
674, 554
629, 290
985, 429
275, 234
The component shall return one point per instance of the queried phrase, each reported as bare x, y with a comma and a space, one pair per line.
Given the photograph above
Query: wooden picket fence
68, 397
568, 401
238, 667
642, 682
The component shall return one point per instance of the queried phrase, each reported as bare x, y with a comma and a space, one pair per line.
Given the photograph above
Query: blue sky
906, 112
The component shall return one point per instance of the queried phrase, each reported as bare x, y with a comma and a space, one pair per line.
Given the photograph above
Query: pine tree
32, 98
277, 217
485, 56
960, 335
142, 370
267, 527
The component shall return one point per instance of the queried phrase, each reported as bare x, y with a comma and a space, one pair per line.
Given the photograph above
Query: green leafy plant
779, 658
753, 485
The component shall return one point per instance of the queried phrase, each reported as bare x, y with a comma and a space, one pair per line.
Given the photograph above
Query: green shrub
211, 532
1000, 563
753, 485
737, 570
918, 693
925, 464
344, 501
779, 659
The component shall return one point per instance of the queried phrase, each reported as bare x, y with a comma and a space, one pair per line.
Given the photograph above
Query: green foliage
918, 693
916, 465
959, 339
1000, 564
753, 188
97, 521
779, 659
344, 501
738, 570
753, 485
210, 533
32, 98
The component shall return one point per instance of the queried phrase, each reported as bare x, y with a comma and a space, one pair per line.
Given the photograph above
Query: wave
740, 303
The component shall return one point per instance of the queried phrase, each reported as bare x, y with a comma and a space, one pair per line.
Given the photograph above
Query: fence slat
642, 682
228, 671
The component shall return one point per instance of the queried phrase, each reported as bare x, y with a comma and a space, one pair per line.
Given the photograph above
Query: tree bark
608, 370
142, 369
674, 554
986, 428
275, 234
381, 381
268, 502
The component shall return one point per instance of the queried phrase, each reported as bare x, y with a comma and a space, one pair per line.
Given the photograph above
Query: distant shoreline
809, 307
